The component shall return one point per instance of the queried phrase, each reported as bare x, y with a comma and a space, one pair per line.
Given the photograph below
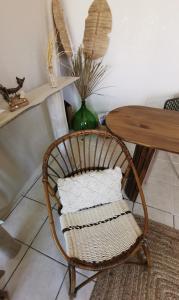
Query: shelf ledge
35, 97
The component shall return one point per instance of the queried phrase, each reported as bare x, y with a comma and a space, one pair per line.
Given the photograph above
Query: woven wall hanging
61, 26
98, 25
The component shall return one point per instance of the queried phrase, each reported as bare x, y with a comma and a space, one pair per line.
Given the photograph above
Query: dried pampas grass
90, 73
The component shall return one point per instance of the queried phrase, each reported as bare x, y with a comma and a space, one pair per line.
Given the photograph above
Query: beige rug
134, 282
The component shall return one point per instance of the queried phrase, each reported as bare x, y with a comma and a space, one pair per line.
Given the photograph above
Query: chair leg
140, 256
72, 277
146, 250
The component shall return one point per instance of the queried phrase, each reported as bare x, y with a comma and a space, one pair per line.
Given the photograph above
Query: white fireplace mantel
35, 97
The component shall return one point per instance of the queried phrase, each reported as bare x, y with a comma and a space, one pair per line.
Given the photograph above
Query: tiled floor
39, 272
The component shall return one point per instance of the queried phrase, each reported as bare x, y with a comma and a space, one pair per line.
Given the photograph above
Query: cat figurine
5, 92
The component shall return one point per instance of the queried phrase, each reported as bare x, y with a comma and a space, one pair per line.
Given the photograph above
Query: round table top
146, 126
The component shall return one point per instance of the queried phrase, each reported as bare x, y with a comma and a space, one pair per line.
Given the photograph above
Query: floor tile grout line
29, 246
24, 195
38, 231
52, 258
61, 263
61, 284
161, 210
21, 242
44, 204
35, 181
18, 202
85, 277
28, 190
16, 267
35, 200
49, 257
21, 198
43, 254
79, 273
136, 202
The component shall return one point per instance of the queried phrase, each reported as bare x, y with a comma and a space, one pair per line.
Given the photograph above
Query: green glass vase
84, 119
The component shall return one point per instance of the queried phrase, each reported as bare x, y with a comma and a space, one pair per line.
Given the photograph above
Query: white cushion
90, 189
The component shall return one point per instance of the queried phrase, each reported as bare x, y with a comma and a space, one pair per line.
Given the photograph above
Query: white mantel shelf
35, 97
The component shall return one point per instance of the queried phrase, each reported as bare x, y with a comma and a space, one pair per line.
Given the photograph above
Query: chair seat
100, 233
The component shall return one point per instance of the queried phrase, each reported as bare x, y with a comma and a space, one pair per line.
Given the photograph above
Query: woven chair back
81, 152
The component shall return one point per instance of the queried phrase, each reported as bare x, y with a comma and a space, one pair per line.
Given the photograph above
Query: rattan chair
172, 104
77, 153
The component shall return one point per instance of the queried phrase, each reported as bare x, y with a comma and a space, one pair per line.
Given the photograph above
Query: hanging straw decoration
61, 26
97, 27
50, 53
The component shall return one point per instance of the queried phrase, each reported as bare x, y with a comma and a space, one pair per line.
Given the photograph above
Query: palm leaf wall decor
97, 27
61, 26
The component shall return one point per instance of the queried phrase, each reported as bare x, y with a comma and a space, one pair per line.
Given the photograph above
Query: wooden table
149, 128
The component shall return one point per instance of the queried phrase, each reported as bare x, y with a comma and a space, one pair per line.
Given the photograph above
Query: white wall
143, 60
23, 40
143, 56
23, 34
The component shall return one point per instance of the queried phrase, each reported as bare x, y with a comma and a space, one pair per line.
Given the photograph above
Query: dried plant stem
91, 73
50, 52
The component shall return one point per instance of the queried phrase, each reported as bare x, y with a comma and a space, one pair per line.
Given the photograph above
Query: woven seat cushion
100, 233
90, 189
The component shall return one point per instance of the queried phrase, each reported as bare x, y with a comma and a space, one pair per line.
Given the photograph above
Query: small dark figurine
10, 95
5, 92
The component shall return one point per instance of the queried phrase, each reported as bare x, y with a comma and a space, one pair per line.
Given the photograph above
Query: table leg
141, 158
